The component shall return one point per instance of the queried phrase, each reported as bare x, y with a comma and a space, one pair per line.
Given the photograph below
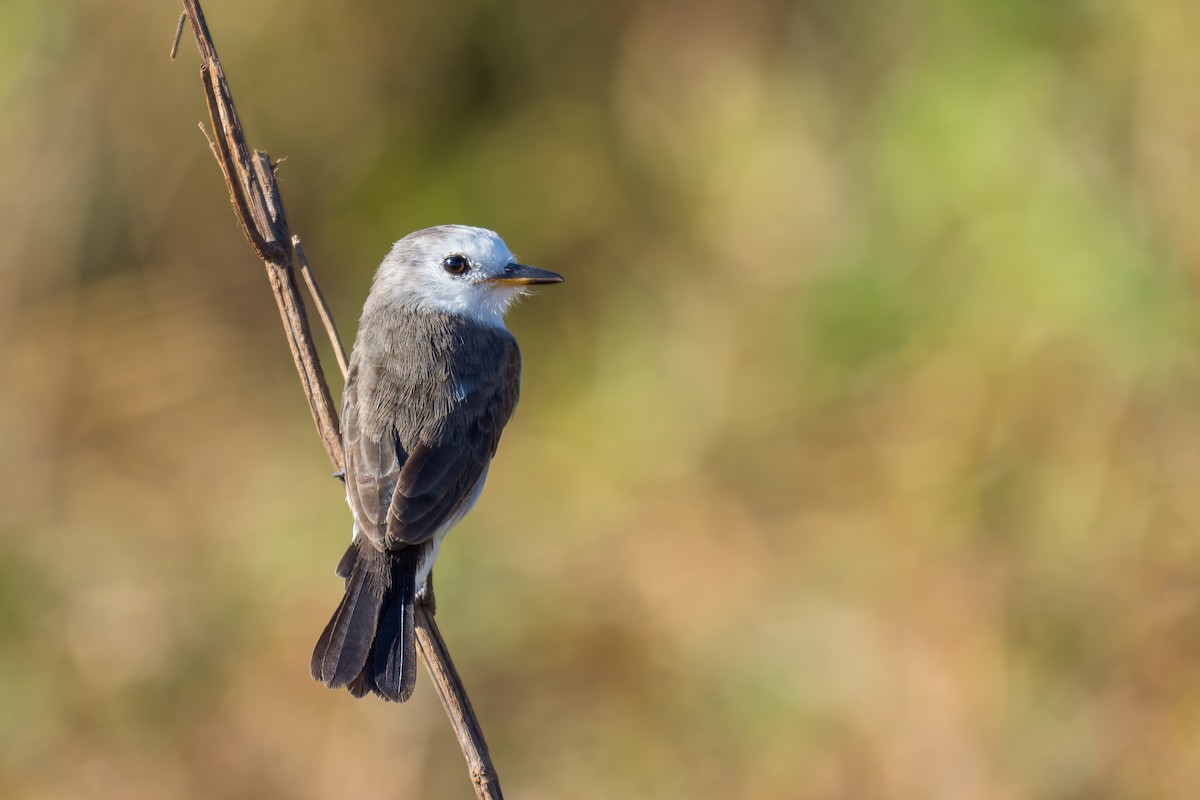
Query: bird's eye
455, 265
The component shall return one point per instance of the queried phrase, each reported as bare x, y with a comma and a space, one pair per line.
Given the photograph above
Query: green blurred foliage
856, 457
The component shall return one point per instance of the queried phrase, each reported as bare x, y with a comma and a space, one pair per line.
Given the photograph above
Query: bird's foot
425, 595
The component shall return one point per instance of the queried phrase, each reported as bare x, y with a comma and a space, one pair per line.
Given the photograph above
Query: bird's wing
442, 470
373, 458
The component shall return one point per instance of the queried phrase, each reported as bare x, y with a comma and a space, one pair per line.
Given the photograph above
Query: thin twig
212, 146
178, 35
258, 206
314, 291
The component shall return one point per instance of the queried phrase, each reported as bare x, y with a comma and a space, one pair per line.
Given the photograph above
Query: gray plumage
434, 377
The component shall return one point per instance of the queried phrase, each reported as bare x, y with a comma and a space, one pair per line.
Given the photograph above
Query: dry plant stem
178, 35
458, 706
255, 196
259, 210
314, 291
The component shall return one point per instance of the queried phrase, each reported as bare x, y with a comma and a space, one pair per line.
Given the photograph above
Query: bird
434, 377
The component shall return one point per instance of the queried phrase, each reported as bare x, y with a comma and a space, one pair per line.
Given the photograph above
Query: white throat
486, 307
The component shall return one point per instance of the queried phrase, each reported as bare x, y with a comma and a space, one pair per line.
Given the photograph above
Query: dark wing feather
427, 468
404, 484
373, 456
441, 473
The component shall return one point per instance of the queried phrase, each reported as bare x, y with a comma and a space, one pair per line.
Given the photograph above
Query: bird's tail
369, 645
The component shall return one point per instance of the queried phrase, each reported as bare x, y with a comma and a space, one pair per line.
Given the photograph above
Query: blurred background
857, 456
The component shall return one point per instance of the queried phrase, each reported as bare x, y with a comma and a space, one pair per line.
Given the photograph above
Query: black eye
455, 265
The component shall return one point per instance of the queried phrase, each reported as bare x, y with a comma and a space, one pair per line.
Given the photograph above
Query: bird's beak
524, 275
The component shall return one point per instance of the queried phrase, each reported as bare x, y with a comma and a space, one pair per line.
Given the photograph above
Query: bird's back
426, 400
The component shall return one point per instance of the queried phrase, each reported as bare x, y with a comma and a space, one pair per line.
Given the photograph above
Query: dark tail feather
395, 653
368, 645
344, 570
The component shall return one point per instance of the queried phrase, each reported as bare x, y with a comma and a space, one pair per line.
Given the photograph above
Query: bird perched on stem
434, 377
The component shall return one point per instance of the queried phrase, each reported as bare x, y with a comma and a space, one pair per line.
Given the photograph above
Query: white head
455, 269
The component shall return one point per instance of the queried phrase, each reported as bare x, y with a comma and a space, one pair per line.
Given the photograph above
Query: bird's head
455, 269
